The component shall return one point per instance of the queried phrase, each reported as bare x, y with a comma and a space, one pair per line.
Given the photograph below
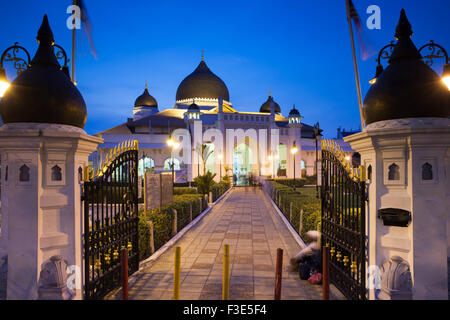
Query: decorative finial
203, 55
146, 84
269, 91
404, 27
45, 34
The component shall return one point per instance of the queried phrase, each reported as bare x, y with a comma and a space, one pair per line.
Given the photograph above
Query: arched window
144, 164
369, 172
394, 172
56, 173
168, 164
80, 174
24, 173
427, 171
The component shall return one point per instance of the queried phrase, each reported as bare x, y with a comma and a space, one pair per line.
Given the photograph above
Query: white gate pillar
41, 196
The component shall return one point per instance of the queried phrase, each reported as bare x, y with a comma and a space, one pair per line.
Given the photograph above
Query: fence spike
136, 145
362, 177
98, 172
86, 173
92, 174
111, 155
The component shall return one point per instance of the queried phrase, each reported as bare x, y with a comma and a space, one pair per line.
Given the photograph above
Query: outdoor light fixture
4, 84
22, 64
435, 51
377, 74
446, 75
294, 149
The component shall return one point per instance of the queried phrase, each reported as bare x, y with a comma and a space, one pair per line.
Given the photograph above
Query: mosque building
203, 101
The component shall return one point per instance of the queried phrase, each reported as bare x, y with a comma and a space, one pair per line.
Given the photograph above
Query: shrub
184, 190
219, 189
299, 183
144, 236
304, 199
162, 219
205, 182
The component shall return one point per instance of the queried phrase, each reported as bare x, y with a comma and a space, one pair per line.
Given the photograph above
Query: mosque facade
236, 143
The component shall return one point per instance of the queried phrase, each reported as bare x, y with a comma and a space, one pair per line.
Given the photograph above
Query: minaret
295, 128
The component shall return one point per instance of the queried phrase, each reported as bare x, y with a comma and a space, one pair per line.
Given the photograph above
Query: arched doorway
144, 164
168, 164
242, 164
282, 160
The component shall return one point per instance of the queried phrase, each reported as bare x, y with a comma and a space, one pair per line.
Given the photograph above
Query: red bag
316, 278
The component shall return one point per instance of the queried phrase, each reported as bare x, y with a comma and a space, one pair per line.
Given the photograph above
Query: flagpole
355, 63
73, 49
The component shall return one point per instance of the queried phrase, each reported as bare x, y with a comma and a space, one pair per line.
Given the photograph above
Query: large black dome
265, 107
202, 83
408, 88
43, 93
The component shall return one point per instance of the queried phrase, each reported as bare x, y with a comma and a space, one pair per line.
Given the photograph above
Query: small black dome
43, 93
202, 83
193, 107
265, 107
294, 112
146, 100
408, 88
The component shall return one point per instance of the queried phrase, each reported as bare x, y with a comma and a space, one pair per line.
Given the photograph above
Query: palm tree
204, 151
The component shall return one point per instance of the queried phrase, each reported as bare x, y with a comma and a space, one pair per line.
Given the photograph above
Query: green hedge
184, 190
305, 199
219, 189
299, 183
162, 219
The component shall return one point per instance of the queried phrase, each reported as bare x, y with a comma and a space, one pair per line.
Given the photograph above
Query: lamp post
220, 156
13, 53
317, 136
174, 145
294, 150
435, 51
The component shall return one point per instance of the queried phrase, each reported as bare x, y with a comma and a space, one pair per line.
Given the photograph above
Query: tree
204, 151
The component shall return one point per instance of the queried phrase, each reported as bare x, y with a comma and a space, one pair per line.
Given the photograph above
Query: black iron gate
110, 199
343, 221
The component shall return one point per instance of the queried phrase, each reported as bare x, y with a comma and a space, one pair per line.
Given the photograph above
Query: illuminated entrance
242, 165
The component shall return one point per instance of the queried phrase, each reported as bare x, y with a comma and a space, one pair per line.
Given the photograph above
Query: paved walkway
246, 220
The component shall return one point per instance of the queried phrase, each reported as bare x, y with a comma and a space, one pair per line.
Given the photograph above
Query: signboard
166, 188
158, 190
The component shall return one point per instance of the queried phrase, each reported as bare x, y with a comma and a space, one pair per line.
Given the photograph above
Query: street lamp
174, 145
220, 156
435, 51
294, 150
13, 53
317, 135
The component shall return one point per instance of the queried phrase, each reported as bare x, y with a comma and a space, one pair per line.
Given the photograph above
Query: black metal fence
343, 221
110, 221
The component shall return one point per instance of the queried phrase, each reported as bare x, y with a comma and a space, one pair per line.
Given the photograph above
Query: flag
87, 24
364, 44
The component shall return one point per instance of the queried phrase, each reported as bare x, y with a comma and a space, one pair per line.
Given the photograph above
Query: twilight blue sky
299, 49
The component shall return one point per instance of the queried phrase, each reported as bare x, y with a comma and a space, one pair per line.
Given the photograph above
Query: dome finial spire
146, 84
269, 92
203, 55
404, 27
